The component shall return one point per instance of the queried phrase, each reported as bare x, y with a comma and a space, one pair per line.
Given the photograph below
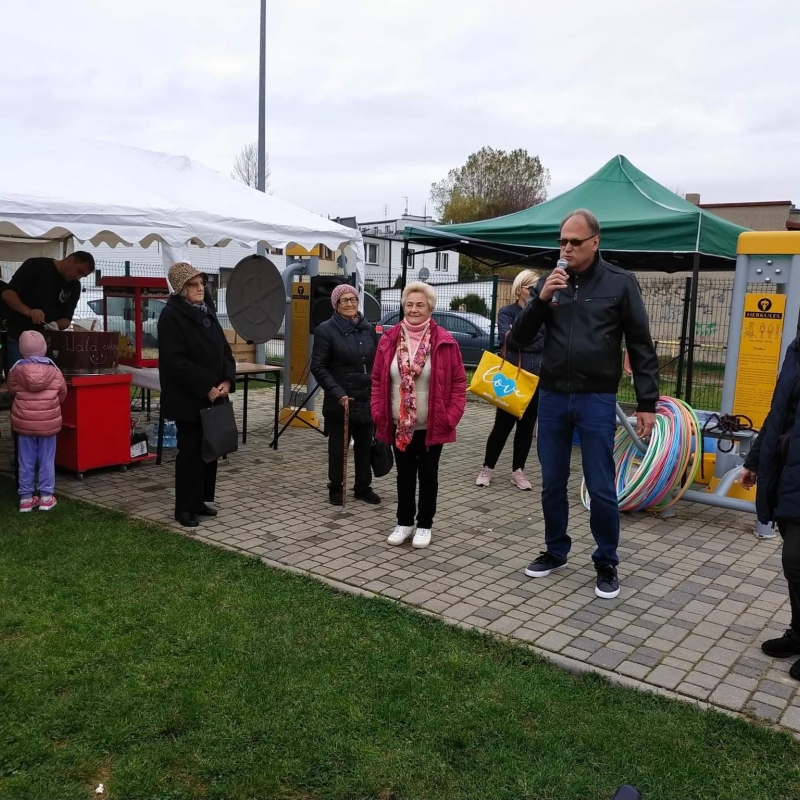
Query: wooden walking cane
344, 452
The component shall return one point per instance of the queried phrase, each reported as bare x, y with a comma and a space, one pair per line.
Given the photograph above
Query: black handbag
381, 458
220, 434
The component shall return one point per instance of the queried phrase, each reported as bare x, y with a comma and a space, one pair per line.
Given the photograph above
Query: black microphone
562, 265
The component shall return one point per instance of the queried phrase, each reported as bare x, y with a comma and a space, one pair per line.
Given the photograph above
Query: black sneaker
607, 582
335, 496
544, 565
787, 645
368, 496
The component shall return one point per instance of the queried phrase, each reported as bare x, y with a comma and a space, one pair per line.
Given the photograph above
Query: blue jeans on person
594, 416
33, 451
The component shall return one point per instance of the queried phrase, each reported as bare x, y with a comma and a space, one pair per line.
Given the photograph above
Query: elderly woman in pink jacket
38, 389
419, 391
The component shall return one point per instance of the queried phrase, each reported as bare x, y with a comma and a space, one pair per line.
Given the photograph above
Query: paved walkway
699, 592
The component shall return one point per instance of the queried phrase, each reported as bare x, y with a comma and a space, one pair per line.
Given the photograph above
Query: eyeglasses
348, 301
574, 242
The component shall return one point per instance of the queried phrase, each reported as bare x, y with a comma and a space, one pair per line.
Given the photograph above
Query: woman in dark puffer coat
774, 464
341, 362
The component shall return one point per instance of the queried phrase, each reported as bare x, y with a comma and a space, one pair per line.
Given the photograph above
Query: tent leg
692, 327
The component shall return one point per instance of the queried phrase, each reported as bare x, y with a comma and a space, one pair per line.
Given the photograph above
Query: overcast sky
370, 101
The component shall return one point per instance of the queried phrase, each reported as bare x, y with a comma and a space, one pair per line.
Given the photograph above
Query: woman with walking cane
341, 362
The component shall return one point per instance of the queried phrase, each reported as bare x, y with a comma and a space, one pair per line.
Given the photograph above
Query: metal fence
90, 305
469, 310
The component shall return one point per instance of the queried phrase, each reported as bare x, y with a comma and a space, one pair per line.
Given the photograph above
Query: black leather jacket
583, 334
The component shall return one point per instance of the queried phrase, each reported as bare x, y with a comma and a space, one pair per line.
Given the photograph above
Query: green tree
472, 302
491, 183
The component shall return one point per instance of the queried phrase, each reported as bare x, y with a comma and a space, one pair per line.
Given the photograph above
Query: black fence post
692, 325
687, 292
493, 314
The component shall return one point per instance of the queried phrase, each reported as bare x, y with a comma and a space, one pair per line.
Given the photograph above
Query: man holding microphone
586, 308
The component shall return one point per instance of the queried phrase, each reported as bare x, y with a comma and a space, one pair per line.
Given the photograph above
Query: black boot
335, 496
206, 511
368, 496
187, 519
784, 647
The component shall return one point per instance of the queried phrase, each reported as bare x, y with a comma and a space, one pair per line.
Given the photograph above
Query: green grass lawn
167, 669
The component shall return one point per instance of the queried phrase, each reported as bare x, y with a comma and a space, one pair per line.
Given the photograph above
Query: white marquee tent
56, 190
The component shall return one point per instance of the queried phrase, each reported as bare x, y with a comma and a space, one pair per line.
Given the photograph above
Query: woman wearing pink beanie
38, 389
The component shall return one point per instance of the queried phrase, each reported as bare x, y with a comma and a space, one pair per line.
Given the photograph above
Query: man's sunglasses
573, 242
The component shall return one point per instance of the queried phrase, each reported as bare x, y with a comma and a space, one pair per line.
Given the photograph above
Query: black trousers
503, 423
790, 556
195, 481
417, 461
362, 443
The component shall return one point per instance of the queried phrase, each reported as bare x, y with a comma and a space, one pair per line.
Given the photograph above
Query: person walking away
773, 466
419, 392
38, 390
341, 362
530, 358
586, 310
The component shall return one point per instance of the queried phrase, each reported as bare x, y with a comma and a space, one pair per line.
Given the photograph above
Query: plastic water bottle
170, 434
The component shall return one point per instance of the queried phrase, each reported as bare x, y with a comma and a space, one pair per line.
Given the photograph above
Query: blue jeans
594, 415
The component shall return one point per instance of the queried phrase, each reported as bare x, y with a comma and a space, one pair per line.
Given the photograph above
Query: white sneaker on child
27, 504
47, 502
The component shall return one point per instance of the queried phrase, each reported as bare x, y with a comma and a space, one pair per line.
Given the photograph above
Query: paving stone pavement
699, 592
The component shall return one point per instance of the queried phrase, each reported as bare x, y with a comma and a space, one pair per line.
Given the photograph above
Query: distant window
371, 253
325, 253
388, 228
275, 251
442, 262
410, 261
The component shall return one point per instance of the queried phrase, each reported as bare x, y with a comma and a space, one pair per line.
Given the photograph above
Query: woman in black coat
774, 464
196, 370
531, 360
341, 363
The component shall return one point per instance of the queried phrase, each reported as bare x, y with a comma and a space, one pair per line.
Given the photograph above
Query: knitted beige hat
179, 274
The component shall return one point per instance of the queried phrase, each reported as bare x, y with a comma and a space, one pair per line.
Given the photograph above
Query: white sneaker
422, 538
520, 480
402, 533
484, 477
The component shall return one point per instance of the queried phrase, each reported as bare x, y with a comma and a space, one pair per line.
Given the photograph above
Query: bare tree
245, 168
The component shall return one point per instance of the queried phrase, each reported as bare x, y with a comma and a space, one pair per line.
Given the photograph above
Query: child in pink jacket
38, 389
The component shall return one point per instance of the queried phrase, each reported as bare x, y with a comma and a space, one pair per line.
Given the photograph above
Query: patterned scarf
410, 369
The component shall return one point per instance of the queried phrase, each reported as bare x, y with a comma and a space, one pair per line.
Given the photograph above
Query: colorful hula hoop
657, 478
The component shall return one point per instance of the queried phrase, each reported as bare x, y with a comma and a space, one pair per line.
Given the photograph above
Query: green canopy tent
644, 227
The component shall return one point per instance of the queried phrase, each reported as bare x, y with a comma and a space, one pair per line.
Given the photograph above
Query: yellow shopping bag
502, 384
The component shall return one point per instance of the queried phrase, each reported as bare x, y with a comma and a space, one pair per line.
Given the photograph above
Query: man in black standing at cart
43, 292
586, 309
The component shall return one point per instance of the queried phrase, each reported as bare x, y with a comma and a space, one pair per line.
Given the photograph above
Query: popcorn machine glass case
131, 308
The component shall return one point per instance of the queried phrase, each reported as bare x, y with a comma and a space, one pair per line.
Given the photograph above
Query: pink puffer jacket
38, 389
447, 396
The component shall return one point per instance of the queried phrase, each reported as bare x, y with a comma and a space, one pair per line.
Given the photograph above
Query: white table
148, 378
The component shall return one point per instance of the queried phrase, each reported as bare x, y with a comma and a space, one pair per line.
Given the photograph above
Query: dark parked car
471, 331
